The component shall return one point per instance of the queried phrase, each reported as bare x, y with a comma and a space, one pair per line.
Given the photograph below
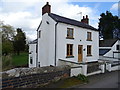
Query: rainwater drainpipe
37, 51
55, 42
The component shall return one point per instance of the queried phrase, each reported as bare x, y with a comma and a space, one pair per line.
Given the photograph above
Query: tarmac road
106, 80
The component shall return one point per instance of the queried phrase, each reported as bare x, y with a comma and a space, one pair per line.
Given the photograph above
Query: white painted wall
75, 71
79, 34
46, 44
113, 48
115, 68
32, 53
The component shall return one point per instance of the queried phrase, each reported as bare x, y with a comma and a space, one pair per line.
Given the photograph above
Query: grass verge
65, 83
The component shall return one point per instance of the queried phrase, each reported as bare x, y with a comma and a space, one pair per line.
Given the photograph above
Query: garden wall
33, 77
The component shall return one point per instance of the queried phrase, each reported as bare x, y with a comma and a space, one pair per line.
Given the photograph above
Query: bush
6, 62
82, 77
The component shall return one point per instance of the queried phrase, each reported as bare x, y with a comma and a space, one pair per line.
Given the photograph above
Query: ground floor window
89, 50
31, 60
69, 49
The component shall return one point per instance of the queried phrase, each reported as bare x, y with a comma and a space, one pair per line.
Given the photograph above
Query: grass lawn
19, 60
12, 61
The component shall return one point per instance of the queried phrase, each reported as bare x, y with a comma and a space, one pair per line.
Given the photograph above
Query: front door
80, 53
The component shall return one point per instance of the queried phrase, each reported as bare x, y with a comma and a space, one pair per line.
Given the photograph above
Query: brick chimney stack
46, 8
85, 19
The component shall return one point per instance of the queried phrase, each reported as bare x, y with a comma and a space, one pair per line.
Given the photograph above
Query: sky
27, 14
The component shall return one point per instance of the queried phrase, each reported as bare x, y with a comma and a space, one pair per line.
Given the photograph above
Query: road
106, 80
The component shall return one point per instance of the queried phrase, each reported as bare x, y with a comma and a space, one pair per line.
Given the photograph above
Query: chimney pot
85, 19
47, 3
86, 16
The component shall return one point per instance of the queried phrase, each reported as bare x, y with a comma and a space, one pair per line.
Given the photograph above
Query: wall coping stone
17, 72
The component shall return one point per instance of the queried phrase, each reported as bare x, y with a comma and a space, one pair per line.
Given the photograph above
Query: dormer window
70, 33
89, 36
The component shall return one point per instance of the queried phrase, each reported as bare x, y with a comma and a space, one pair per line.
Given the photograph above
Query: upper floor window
89, 36
69, 50
117, 47
39, 33
89, 50
70, 33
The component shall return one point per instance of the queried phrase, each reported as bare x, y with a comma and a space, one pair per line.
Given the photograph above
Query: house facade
110, 48
32, 53
62, 38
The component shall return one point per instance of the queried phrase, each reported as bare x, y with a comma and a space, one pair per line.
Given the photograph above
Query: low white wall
75, 71
80, 68
93, 73
76, 68
114, 68
72, 64
110, 68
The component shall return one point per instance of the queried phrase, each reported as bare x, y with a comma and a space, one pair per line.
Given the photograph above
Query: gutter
55, 42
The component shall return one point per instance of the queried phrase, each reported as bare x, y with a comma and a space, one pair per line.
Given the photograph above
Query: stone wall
33, 77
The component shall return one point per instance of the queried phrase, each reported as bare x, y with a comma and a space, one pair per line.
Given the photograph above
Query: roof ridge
78, 23
67, 18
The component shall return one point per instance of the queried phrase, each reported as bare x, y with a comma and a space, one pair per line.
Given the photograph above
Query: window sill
89, 55
69, 56
88, 40
69, 38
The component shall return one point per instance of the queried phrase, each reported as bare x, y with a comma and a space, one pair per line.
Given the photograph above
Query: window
89, 35
36, 48
39, 33
117, 47
89, 50
31, 60
69, 49
70, 33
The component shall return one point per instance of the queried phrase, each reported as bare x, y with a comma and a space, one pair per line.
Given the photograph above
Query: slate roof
65, 20
103, 51
33, 42
107, 42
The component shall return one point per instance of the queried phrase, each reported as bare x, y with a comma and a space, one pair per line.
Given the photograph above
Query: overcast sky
26, 14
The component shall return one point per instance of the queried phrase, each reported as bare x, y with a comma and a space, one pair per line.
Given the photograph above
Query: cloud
114, 7
27, 15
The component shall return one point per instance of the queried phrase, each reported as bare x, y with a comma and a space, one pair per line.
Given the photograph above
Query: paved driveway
106, 80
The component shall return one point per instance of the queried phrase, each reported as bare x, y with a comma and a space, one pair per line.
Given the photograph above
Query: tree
109, 25
19, 41
7, 38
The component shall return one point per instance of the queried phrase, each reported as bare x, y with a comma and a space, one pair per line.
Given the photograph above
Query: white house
62, 38
110, 48
32, 53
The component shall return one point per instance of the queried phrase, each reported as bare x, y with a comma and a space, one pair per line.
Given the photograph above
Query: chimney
85, 19
46, 8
